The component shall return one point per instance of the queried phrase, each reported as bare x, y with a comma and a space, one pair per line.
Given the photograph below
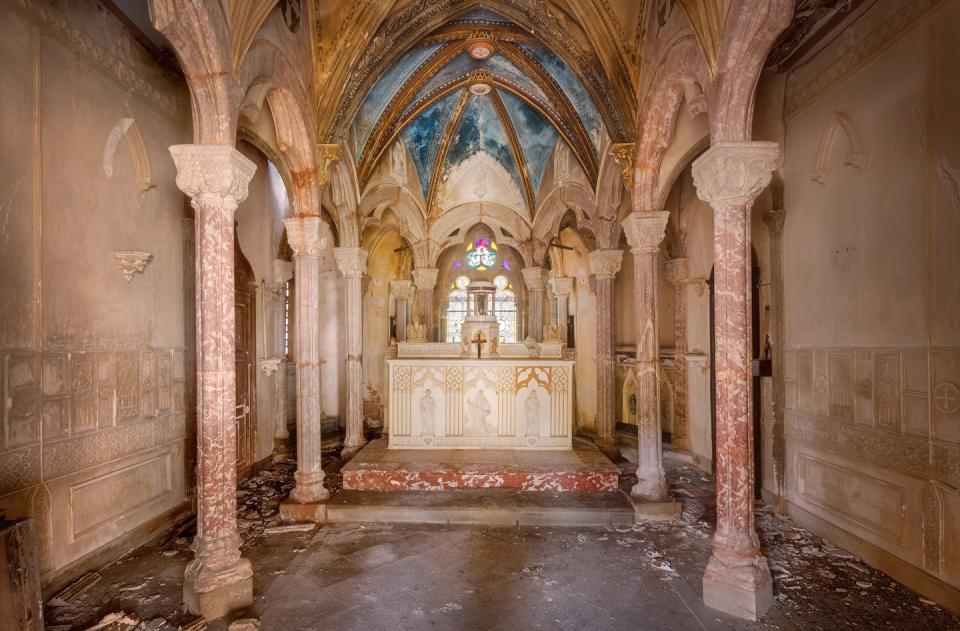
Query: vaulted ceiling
479, 83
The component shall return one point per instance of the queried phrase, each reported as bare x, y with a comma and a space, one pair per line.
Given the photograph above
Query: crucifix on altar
479, 339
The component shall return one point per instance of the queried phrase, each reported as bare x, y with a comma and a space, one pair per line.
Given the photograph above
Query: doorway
245, 295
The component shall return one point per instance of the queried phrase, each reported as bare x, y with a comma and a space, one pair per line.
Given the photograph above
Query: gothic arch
127, 128
857, 156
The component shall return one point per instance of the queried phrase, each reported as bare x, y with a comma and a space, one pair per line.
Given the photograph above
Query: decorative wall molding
131, 262
856, 55
856, 158
113, 62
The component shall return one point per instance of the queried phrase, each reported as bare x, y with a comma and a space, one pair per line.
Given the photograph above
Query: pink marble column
604, 265
679, 275
218, 579
729, 176
644, 232
282, 273
775, 220
307, 236
535, 280
425, 279
562, 287
352, 263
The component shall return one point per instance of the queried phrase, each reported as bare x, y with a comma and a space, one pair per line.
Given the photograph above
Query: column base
293, 513
214, 595
281, 449
745, 591
665, 510
608, 447
350, 449
650, 489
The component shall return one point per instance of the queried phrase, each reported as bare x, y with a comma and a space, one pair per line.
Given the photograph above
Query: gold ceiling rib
448, 132
518, 157
371, 158
402, 98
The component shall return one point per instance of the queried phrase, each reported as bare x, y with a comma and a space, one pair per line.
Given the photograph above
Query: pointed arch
128, 128
857, 155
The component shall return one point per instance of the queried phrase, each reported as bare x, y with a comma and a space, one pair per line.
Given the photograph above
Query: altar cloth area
583, 468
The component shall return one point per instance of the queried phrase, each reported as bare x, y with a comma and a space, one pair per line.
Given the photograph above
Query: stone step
482, 507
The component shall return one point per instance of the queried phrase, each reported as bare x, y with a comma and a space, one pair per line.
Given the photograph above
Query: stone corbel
327, 155
270, 365
622, 153
131, 262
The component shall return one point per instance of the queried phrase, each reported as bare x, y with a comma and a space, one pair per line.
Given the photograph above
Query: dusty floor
456, 577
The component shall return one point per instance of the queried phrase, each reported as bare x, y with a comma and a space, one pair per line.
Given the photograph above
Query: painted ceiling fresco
446, 106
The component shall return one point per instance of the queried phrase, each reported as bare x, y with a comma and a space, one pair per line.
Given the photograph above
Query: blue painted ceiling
535, 99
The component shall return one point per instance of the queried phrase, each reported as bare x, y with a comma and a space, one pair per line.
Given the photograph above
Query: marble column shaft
562, 287
645, 231
425, 279
604, 265
352, 263
307, 236
535, 280
215, 177
678, 274
774, 220
282, 273
729, 176
401, 294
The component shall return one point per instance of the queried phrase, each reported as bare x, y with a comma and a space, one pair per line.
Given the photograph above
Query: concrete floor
380, 576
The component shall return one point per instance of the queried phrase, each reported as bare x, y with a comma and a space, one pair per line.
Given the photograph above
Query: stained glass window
505, 304
481, 254
457, 308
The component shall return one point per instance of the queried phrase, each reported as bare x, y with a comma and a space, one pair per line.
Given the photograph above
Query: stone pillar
535, 279
282, 273
774, 220
729, 176
352, 263
425, 279
218, 579
307, 237
678, 274
400, 289
604, 265
645, 231
562, 287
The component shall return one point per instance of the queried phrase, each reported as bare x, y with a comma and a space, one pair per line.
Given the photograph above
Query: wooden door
246, 361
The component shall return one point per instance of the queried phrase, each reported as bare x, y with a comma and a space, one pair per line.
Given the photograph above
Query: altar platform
581, 469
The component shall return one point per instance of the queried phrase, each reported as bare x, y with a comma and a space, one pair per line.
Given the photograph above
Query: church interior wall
92, 333
871, 291
381, 269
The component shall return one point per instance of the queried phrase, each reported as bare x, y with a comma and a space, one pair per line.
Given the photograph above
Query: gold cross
479, 340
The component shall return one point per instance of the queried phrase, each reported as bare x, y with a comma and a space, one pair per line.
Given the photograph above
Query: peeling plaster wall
92, 365
872, 358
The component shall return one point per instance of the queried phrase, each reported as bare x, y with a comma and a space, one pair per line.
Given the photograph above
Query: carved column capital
401, 289
561, 286
217, 174
352, 262
622, 154
645, 230
282, 271
678, 271
535, 278
735, 173
425, 278
605, 263
774, 220
307, 236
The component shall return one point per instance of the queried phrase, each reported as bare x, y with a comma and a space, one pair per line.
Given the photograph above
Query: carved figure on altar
531, 414
477, 412
553, 333
417, 331
428, 409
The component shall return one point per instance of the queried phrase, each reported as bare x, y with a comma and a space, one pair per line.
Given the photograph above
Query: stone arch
568, 197
127, 128
681, 63
857, 156
453, 224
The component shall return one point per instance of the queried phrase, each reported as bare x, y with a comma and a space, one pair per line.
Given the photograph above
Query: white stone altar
454, 403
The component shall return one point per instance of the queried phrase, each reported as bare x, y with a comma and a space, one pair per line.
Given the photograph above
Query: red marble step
583, 469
